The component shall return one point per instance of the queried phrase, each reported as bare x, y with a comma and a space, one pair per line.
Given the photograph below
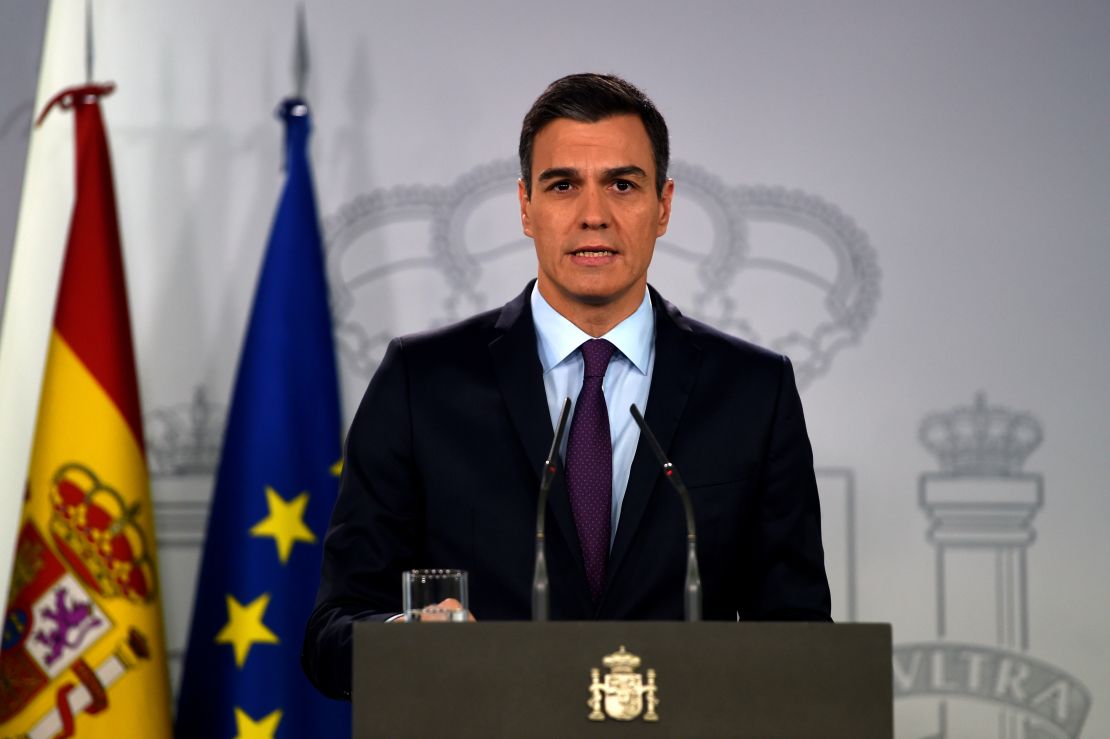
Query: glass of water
424, 590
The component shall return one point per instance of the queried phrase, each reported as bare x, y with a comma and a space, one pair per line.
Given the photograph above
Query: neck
595, 319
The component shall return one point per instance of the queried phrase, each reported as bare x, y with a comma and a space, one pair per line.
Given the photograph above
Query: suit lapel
520, 378
677, 359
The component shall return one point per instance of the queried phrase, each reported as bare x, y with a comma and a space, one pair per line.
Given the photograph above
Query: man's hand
445, 610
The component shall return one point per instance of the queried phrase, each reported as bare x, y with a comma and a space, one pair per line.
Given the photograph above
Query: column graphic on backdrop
980, 507
783, 268
183, 447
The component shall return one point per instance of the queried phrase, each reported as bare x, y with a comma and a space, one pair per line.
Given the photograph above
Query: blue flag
275, 489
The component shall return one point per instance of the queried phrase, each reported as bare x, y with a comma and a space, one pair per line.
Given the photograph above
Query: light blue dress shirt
627, 379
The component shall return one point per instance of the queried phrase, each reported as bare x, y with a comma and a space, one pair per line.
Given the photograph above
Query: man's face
594, 212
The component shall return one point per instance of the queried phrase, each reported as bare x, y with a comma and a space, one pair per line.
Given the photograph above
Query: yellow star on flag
263, 728
285, 523
244, 627
337, 468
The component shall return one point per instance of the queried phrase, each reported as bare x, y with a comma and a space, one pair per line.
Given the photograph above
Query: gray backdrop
910, 199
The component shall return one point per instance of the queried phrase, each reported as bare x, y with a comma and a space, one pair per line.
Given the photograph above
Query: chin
594, 290
595, 299
597, 295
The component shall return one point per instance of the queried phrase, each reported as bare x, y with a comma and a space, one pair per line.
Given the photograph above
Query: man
444, 455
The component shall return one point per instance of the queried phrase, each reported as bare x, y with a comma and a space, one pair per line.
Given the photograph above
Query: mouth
593, 252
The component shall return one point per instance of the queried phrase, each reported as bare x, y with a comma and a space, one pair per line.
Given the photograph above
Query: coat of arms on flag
53, 616
93, 549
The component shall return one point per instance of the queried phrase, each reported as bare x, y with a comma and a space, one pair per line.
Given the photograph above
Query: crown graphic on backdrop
185, 439
981, 439
456, 246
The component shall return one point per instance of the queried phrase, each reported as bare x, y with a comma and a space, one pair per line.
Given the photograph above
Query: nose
594, 214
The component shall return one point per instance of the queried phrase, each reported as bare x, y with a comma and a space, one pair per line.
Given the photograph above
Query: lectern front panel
623, 679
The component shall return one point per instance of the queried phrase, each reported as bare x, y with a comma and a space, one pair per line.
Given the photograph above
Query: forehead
611, 142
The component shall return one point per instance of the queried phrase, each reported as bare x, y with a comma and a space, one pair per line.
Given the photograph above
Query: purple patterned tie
589, 467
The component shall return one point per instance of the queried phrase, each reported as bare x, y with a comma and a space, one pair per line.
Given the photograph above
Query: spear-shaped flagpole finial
88, 42
300, 54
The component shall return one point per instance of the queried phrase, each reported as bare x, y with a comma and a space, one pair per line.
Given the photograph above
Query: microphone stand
692, 594
540, 587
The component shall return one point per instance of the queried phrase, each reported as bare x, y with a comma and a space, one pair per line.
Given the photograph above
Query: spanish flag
83, 648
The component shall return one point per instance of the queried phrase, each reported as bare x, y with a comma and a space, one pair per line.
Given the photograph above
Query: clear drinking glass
423, 591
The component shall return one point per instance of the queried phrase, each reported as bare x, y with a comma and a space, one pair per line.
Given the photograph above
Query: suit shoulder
467, 334
729, 348
456, 337
716, 343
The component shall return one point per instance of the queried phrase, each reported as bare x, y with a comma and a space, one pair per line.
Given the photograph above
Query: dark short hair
589, 98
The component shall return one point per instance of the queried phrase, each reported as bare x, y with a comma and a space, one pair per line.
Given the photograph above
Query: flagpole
300, 55
88, 42
37, 253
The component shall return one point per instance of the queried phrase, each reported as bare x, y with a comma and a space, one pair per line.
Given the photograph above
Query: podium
623, 679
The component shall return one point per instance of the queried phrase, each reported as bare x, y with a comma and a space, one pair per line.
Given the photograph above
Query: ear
525, 205
665, 207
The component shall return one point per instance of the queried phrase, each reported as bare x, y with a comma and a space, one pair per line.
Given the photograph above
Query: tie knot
597, 353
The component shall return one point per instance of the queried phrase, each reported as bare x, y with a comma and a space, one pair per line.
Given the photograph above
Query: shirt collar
559, 338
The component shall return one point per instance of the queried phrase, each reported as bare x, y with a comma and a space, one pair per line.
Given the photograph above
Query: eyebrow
570, 173
558, 173
625, 171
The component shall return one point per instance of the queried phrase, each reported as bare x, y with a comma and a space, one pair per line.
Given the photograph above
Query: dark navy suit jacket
442, 468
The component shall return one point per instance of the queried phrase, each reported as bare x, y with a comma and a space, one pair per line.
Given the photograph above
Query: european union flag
274, 493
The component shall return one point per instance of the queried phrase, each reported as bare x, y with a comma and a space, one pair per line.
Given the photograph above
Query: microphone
540, 588
692, 596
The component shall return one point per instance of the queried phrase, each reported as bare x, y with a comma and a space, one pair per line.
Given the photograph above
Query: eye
560, 186
624, 185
